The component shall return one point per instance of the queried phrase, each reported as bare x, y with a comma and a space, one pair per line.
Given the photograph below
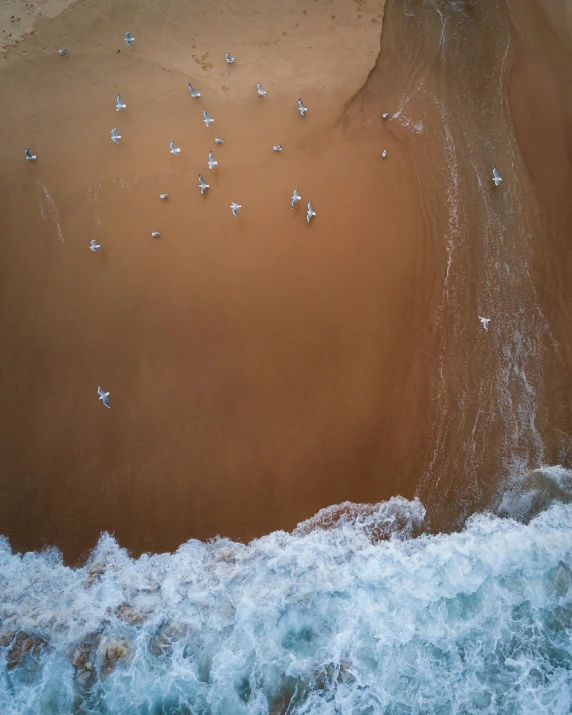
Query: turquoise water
360, 617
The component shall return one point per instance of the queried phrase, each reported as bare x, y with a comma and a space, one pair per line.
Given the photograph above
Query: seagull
295, 198
277, 147
103, 396
29, 155
115, 136
310, 212
229, 59
156, 234
219, 141
163, 196
385, 115
62, 52
485, 322
128, 39
384, 154
496, 178
93, 246
261, 92
194, 92
211, 162
234, 208
301, 108
174, 150
119, 106
203, 186
207, 120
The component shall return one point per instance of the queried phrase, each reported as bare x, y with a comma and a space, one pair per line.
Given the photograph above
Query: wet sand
264, 368
259, 369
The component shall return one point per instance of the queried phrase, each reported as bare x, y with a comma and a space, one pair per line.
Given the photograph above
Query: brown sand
262, 369
257, 368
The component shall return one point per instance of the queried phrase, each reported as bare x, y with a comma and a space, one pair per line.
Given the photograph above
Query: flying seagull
234, 208
93, 246
163, 196
174, 150
261, 92
115, 136
295, 198
310, 212
211, 162
485, 322
103, 396
203, 186
496, 178
301, 108
62, 52
277, 147
219, 141
229, 59
385, 115
128, 39
29, 155
384, 154
194, 92
119, 104
156, 234
207, 120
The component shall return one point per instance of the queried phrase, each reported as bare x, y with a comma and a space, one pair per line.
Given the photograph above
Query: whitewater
356, 611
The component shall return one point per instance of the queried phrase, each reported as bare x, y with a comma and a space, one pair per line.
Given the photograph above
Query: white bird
128, 39
219, 141
496, 178
119, 104
193, 91
310, 212
211, 162
174, 150
295, 198
163, 196
234, 208
94, 245
203, 186
156, 234
103, 396
207, 120
115, 136
229, 59
301, 108
385, 115
261, 92
485, 322
62, 52
277, 147
384, 154
29, 155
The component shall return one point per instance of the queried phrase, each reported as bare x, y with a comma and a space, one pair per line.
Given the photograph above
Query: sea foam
342, 616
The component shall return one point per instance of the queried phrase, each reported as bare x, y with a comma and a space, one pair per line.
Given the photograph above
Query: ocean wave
338, 617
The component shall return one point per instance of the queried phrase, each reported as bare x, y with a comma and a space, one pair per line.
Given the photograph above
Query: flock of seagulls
203, 186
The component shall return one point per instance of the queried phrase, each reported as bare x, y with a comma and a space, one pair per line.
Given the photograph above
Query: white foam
332, 620
52, 209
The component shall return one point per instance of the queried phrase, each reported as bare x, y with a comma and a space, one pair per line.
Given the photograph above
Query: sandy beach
261, 369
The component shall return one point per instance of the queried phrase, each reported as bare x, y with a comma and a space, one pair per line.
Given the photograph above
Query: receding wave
347, 614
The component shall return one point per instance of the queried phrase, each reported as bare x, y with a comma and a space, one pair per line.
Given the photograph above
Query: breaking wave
357, 611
